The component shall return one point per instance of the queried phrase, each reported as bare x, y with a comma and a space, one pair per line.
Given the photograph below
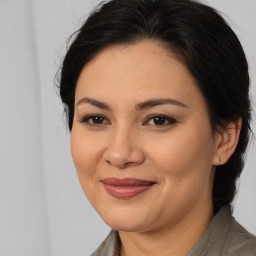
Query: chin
125, 226
126, 221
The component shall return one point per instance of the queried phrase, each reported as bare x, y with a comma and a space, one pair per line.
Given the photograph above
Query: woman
156, 97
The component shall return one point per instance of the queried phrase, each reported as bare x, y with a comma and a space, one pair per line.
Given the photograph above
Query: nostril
108, 161
123, 156
120, 164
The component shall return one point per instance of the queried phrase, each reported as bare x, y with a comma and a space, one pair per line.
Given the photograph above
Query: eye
95, 120
160, 120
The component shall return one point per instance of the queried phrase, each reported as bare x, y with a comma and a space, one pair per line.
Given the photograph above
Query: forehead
136, 72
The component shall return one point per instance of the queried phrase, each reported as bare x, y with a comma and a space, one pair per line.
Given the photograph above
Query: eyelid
88, 117
171, 120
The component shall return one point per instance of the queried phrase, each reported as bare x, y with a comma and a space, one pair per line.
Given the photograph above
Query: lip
126, 188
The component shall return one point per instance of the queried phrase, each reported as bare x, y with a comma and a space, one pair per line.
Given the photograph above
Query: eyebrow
156, 102
140, 106
93, 102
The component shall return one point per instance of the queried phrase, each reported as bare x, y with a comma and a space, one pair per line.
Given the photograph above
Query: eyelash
87, 118
170, 120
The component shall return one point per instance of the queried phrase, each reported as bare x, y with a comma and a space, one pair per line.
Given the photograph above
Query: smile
126, 188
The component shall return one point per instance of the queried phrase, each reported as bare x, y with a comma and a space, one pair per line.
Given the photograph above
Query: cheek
184, 151
85, 153
184, 164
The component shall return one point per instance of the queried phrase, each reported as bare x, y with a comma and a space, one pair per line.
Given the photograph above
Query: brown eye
160, 120
95, 120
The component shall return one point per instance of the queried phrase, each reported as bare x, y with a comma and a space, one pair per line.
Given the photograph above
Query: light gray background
43, 210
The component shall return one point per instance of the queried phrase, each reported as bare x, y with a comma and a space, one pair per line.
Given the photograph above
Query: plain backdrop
43, 210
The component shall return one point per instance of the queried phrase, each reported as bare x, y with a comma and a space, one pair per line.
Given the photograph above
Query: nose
124, 149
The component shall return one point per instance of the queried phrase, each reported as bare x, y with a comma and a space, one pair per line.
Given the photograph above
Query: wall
43, 209
23, 221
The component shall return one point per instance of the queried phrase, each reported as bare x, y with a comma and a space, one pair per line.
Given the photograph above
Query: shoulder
110, 246
240, 242
225, 237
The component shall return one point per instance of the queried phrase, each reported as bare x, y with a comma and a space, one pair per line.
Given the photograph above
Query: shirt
224, 237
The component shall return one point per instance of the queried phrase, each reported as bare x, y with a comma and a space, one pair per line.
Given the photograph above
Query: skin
126, 142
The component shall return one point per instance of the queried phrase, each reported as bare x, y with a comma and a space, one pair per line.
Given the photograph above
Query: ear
226, 141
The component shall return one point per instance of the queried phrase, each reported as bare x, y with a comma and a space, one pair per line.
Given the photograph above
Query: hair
202, 40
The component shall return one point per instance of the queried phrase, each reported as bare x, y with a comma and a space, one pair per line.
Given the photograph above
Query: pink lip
126, 188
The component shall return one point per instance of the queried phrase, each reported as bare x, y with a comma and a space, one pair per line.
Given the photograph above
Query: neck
178, 239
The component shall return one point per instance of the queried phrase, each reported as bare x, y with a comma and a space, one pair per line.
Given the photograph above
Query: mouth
126, 188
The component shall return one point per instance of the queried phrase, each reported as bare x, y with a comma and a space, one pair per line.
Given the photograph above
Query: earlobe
226, 141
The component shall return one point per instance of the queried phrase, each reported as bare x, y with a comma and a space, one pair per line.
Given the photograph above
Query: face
141, 140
